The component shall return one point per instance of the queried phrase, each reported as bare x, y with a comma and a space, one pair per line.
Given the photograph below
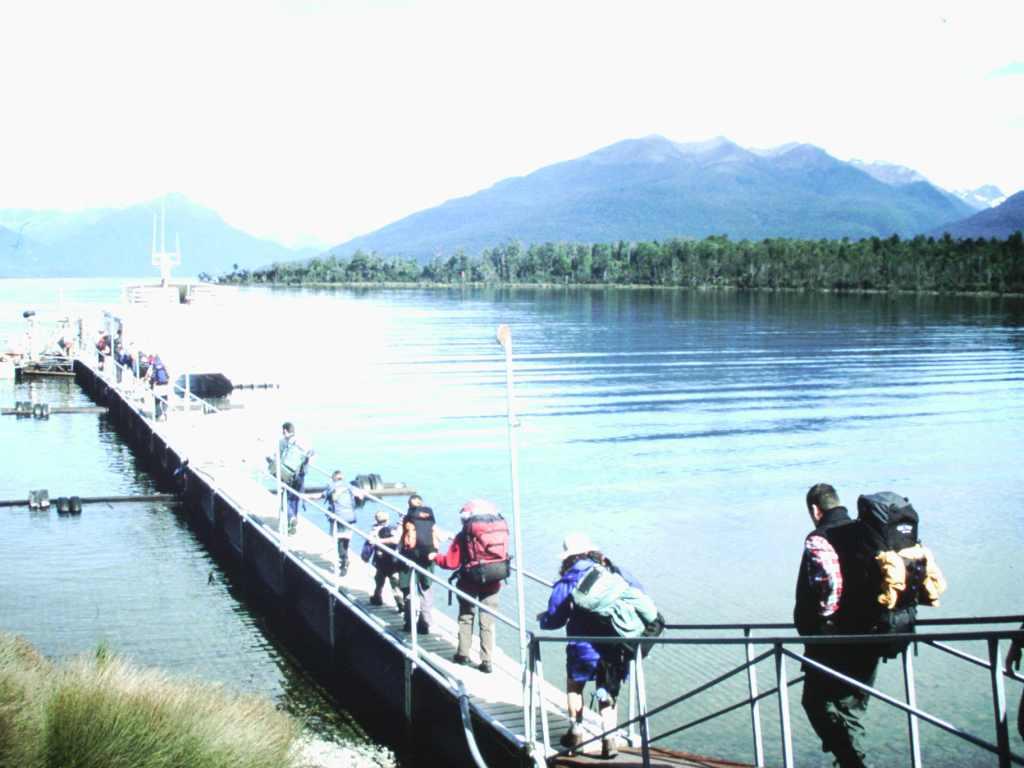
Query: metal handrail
780, 650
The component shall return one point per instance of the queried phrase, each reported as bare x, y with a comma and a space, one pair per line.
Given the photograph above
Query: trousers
467, 614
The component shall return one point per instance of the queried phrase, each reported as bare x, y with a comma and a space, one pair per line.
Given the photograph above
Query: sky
312, 122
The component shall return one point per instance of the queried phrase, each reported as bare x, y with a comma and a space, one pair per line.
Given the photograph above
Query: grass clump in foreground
102, 712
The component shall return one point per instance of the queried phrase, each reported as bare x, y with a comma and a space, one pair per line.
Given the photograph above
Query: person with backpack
340, 499
294, 459
419, 540
578, 603
479, 556
824, 599
384, 538
863, 576
159, 379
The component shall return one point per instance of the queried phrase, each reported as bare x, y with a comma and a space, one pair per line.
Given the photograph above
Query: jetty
438, 712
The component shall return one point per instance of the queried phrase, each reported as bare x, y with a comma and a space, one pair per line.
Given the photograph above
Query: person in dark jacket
831, 594
419, 540
1013, 663
455, 558
604, 664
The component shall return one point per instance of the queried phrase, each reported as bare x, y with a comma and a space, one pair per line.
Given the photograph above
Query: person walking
419, 540
831, 593
294, 459
605, 663
340, 499
385, 538
479, 555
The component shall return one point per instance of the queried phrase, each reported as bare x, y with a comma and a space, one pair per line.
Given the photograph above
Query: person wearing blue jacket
584, 662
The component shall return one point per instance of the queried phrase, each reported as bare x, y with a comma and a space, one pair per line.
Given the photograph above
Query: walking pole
505, 339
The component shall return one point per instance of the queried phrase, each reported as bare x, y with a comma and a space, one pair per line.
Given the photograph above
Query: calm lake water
681, 430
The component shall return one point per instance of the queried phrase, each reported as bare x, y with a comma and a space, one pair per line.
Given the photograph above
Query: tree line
941, 264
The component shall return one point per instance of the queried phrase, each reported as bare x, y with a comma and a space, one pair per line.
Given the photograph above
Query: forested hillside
919, 264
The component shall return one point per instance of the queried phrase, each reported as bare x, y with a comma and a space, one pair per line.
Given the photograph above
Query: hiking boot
292, 527
343, 570
422, 628
407, 627
609, 748
572, 738
376, 600
485, 667
458, 658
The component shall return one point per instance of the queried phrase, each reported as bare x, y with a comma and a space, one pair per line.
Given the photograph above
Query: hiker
384, 537
293, 471
605, 663
159, 379
419, 540
102, 348
479, 556
863, 576
1013, 663
340, 499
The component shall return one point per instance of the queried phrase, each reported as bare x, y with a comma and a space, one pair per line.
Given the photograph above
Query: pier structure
445, 709
447, 713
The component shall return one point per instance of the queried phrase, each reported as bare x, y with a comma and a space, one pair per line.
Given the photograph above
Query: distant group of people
150, 369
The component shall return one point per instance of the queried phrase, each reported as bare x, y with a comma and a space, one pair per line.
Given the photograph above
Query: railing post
633, 692
504, 337
531, 714
414, 609
641, 688
787, 731
755, 709
912, 722
999, 702
544, 728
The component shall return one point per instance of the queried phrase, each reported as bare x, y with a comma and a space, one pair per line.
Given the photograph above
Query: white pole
505, 339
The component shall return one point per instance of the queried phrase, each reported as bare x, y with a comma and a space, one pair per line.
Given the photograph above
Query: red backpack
487, 559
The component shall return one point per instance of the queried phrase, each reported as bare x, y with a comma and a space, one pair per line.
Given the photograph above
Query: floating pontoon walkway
229, 500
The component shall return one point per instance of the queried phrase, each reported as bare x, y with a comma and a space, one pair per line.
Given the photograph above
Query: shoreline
628, 287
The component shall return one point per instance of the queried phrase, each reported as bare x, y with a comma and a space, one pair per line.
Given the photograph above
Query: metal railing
780, 649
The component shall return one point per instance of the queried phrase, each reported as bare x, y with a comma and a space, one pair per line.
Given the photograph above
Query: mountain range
638, 189
652, 189
118, 242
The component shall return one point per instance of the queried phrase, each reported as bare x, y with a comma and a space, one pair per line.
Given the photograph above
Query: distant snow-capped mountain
988, 196
888, 173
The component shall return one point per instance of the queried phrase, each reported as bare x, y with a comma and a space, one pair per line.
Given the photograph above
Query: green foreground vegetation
101, 712
941, 265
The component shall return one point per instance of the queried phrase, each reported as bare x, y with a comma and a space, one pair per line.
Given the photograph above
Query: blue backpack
159, 372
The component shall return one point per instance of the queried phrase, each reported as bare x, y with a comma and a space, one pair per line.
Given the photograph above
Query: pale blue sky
324, 120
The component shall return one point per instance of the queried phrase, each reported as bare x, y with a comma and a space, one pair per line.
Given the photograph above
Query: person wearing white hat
583, 661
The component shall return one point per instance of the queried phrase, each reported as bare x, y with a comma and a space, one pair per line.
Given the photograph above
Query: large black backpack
418, 535
891, 525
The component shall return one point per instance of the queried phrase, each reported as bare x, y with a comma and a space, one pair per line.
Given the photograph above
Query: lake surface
680, 430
